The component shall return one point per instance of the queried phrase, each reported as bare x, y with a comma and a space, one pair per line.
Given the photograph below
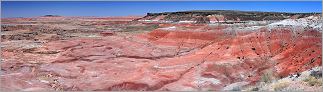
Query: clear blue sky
126, 8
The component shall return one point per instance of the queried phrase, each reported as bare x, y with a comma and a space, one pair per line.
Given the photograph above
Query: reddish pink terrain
170, 57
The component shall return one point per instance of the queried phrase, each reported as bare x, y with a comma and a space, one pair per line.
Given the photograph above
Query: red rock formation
176, 57
107, 33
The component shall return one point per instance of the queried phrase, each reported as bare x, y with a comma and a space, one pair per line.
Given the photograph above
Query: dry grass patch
280, 85
312, 81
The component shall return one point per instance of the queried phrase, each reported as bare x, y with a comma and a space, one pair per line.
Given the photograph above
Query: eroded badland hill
171, 51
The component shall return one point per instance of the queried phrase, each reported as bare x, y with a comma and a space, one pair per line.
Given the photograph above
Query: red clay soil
164, 60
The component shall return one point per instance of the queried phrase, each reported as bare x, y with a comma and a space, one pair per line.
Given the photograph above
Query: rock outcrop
220, 16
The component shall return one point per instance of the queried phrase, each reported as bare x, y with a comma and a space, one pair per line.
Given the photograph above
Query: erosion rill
172, 51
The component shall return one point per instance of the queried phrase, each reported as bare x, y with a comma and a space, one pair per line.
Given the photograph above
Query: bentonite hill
172, 51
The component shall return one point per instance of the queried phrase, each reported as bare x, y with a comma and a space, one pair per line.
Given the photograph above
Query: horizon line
168, 12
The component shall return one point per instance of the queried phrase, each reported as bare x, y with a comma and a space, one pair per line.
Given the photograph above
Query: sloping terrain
111, 54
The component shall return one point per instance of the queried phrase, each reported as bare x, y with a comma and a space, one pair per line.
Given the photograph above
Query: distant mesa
51, 16
220, 16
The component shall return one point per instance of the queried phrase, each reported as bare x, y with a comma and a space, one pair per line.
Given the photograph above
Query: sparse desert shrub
268, 76
236, 89
251, 88
312, 81
255, 89
316, 74
280, 85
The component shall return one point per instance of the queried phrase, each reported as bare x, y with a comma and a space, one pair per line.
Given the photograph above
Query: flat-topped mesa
220, 16
51, 16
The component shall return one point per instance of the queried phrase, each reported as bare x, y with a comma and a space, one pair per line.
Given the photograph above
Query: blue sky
127, 8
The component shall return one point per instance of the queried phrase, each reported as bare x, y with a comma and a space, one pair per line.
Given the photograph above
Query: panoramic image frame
153, 45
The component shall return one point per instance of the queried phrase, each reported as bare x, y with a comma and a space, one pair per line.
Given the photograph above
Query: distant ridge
207, 16
51, 16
